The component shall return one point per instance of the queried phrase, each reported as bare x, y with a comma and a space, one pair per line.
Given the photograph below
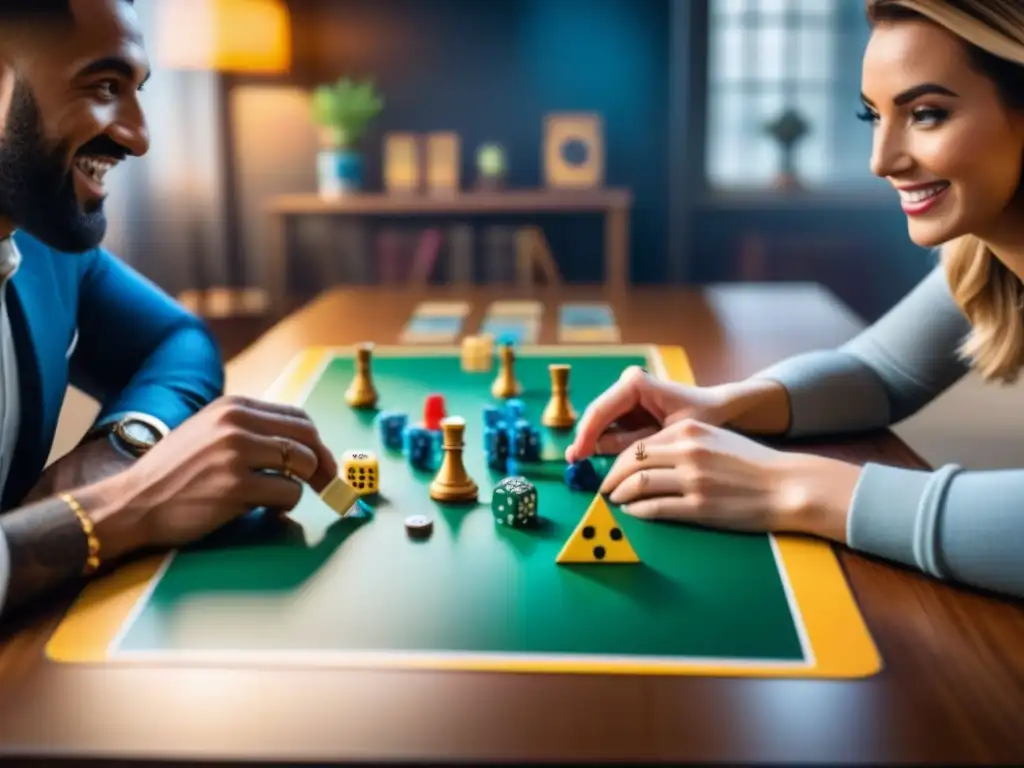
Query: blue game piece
496, 447
515, 409
582, 476
495, 439
392, 426
493, 415
525, 441
420, 447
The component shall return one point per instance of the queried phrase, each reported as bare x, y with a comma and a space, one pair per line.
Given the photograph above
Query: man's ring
286, 455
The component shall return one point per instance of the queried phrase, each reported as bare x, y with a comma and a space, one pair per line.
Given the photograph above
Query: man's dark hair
38, 10
29, 10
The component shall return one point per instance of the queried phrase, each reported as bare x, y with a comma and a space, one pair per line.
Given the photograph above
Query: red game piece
433, 412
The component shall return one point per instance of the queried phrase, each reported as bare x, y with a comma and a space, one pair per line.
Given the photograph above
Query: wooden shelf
467, 202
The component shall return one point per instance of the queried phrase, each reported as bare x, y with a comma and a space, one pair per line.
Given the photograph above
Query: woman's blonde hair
988, 293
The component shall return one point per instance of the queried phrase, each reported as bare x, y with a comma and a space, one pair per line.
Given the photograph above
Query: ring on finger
286, 457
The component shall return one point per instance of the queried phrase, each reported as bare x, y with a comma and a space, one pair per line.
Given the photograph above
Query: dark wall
491, 70
858, 248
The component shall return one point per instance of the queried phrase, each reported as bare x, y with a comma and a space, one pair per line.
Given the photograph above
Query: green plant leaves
345, 108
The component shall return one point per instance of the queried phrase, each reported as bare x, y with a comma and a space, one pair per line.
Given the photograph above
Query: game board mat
796, 617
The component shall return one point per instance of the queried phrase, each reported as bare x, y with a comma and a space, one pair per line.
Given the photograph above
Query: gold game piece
476, 354
505, 385
452, 483
361, 392
559, 413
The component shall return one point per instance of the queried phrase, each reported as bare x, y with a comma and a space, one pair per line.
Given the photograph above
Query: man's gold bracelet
92, 564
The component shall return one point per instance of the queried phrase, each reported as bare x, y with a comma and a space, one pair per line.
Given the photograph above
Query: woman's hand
637, 406
699, 473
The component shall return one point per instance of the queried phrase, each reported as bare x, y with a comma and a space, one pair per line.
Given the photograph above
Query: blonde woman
943, 91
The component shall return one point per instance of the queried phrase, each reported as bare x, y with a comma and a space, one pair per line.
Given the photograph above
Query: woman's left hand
697, 473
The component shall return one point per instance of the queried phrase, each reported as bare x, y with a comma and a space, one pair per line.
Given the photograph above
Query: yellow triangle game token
597, 539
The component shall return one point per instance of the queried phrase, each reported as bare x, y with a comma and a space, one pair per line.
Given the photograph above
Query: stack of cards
514, 321
587, 322
435, 322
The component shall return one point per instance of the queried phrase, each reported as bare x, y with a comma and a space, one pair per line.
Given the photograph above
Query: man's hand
89, 461
233, 456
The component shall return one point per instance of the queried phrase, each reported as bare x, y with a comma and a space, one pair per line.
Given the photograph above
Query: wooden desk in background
614, 204
950, 691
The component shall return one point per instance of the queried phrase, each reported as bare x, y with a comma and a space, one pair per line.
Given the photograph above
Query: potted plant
343, 110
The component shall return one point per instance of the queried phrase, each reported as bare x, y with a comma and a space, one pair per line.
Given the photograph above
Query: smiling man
169, 460
72, 313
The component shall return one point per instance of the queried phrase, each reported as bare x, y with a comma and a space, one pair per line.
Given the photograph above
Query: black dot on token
599, 553
616, 534
588, 532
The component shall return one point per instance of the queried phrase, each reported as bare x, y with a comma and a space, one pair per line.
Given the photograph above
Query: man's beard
37, 189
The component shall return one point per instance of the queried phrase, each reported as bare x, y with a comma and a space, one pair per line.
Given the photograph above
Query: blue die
392, 426
420, 446
525, 441
493, 416
582, 476
515, 409
496, 446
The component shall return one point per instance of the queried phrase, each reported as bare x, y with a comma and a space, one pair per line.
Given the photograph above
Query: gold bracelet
92, 564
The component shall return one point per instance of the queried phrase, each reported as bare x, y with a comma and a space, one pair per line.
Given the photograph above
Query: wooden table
952, 689
613, 204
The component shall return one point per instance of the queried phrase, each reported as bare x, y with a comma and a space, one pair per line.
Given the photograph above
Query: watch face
139, 433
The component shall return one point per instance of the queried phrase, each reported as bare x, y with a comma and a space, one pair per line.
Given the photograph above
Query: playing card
517, 330
515, 309
586, 315
442, 309
431, 330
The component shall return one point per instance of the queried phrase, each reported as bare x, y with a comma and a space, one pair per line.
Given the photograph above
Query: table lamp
233, 36
227, 37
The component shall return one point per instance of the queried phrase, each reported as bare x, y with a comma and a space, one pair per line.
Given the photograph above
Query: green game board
314, 585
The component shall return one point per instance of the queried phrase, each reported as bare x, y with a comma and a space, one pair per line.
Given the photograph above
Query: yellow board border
840, 643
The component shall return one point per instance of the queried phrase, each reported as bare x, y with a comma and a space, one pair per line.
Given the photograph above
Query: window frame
792, 86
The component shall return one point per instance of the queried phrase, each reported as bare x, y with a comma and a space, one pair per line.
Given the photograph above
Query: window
767, 57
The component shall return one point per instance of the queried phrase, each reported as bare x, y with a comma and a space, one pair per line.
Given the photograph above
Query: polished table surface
952, 689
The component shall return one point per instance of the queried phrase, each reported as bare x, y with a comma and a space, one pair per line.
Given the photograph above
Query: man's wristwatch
133, 433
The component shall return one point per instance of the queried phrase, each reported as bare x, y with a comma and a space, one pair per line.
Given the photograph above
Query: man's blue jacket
89, 320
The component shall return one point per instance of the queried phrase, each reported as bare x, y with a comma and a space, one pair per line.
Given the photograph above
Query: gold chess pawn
452, 483
559, 413
361, 392
505, 384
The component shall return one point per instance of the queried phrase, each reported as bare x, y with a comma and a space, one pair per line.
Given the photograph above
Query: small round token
419, 525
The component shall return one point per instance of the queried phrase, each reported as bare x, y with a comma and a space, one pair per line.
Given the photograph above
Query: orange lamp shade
245, 36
